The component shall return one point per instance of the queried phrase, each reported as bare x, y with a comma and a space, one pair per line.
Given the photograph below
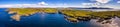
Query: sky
59, 3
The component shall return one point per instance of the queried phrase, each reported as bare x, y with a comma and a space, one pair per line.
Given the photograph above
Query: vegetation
50, 10
106, 14
28, 11
72, 14
76, 13
85, 15
74, 20
23, 11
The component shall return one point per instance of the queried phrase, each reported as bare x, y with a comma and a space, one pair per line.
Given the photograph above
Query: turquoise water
39, 20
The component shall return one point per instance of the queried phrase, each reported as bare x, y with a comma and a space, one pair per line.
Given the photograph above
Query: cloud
113, 6
100, 5
87, 4
118, 1
42, 3
91, 4
18, 5
101, 1
32, 5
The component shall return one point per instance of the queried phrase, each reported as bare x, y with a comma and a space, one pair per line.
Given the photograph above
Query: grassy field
30, 11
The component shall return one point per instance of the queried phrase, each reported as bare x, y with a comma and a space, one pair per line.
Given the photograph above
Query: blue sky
47, 1
58, 2
71, 2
